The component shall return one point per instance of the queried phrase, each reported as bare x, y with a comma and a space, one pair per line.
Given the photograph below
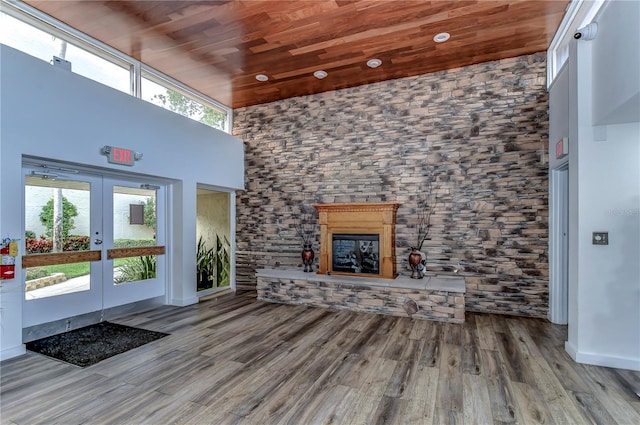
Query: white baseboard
13, 352
627, 363
183, 302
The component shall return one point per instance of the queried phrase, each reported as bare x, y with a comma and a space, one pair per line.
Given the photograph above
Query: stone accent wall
478, 132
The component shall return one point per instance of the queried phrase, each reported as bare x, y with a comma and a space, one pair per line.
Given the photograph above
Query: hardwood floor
235, 360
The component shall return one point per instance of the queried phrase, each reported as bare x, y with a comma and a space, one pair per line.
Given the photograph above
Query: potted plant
426, 205
306, 228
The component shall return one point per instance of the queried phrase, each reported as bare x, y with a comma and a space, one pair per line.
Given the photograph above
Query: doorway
213, 232
92, 242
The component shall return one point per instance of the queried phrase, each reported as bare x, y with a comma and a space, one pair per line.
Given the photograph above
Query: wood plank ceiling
218, 47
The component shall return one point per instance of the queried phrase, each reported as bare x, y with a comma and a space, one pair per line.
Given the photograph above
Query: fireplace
357, 239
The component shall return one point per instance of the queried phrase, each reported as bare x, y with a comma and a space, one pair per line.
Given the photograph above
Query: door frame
79, 305
559, 244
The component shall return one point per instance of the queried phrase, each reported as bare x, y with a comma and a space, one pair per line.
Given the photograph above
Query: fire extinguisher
9, 251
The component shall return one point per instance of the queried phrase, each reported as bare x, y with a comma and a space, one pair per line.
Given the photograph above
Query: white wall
616, 64
604, 185
50, 113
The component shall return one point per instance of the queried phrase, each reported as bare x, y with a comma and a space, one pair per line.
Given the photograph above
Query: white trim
570, 349
183, 302
232, 240
558, 245
627, 363
16, 351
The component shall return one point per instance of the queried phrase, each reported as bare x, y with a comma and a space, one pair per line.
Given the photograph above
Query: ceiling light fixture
261, 77
374, 63
441, 37
320, 74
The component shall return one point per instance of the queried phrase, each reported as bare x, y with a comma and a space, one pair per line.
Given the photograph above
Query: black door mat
89, 345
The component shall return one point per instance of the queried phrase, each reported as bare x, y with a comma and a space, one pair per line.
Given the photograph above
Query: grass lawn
69, 270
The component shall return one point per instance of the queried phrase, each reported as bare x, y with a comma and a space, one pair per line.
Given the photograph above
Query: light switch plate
600, 238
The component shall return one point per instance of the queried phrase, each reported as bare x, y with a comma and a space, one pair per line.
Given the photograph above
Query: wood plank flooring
234, 360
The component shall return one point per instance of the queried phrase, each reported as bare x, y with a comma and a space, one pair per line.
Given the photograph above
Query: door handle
98, 241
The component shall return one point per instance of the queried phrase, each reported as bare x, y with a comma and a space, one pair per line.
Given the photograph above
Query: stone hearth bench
431, 298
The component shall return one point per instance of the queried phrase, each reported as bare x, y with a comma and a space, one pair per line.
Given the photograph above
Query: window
170, 97
45, 46
30, 31
136, 213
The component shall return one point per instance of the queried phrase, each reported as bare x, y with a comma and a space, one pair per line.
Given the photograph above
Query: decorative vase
418, 263
307, 258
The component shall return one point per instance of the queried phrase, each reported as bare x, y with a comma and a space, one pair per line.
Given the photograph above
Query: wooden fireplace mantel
359, 219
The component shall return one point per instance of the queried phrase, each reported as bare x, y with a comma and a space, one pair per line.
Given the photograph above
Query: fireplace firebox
356, 253
357, 239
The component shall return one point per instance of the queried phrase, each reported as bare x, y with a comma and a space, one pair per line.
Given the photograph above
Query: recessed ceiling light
374, 63
443, 36
320, 74
261, 77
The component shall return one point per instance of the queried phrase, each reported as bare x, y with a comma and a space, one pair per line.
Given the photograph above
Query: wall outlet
600, 238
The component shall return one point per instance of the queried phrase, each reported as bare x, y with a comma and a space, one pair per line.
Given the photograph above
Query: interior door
63, 240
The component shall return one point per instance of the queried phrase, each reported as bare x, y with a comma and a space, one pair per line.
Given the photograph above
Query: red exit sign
120, 156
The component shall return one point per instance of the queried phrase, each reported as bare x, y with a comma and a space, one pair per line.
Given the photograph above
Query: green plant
36, 273
132, 243
29, 234
38, 246
76, 243
138, 268
205, 265
68, 212
182, 105
150, 213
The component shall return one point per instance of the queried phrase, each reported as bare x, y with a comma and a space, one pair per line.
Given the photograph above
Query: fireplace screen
356, 254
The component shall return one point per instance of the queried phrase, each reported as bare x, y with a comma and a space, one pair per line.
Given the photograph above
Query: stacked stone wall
478, 133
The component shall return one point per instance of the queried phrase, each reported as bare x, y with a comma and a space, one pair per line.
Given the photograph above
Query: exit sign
121, 156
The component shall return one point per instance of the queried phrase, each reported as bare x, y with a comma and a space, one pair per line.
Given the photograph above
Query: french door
92, 242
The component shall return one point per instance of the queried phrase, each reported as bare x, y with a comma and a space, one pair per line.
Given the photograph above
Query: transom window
39, 35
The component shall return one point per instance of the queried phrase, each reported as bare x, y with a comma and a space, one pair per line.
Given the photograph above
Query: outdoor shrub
44, 244
68, 212
77, 243
35, 273
38, 246
30, 234
138, 268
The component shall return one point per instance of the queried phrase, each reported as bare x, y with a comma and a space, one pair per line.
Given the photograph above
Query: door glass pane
56, 221
213, 247
134, 269
59, 279
134, 225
